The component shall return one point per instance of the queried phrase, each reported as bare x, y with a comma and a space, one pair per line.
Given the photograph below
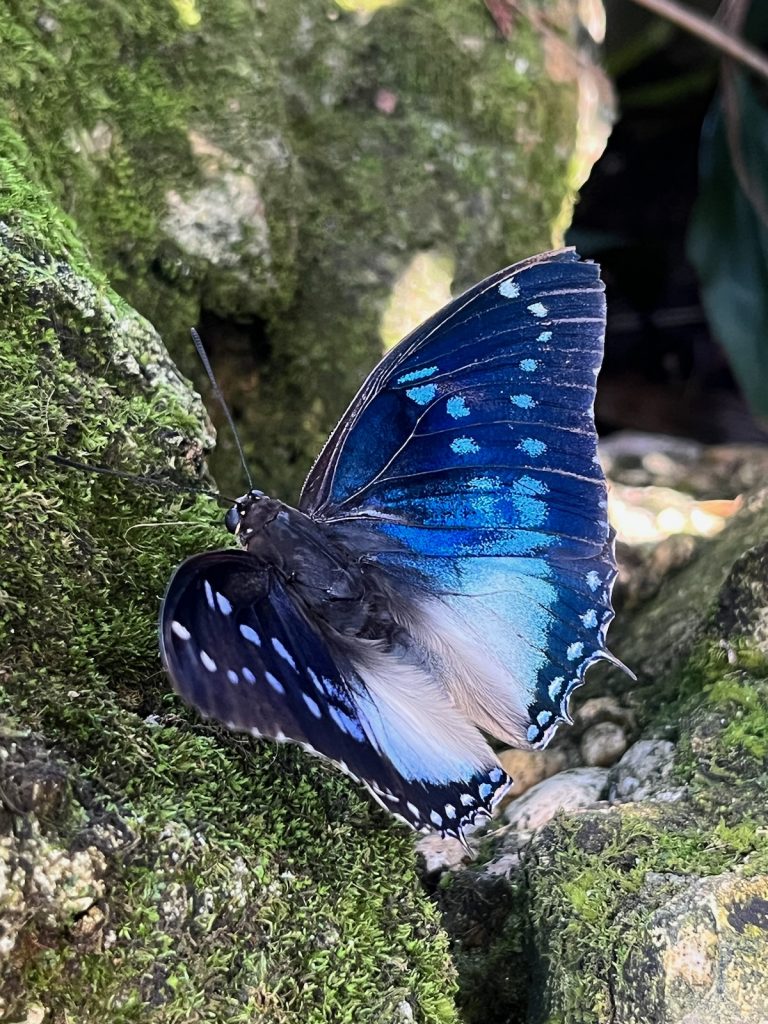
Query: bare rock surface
568, 791
643, 772
701, 954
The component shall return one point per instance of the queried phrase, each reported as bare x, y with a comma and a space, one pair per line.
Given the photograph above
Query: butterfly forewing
239, 649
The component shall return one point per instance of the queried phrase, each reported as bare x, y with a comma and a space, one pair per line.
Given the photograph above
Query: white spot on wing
224, 605
276, 685
313, 706
208, 661
209, 594
555, 688
181, 632
284, 654
538, 309
509, 289
233, 677
574, 651
435, 818
250, 635
318, 685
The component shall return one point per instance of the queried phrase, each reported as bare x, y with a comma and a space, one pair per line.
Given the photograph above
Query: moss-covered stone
151, 868
596, 922
715, 594
700, 955
600, 884
267, 170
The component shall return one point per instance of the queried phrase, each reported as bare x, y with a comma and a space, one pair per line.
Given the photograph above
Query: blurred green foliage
728, 234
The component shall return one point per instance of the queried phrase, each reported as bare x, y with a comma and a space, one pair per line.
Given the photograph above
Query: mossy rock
651, 912
267, 171
153, 868
150, 867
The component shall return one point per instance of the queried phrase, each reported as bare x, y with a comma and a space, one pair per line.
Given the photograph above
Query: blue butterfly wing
239, 649
468, 461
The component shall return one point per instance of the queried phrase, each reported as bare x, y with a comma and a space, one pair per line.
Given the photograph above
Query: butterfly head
250, 514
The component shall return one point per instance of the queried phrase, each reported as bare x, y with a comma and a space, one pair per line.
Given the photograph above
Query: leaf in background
728, 241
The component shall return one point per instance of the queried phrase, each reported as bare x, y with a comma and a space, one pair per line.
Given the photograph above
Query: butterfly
448, 571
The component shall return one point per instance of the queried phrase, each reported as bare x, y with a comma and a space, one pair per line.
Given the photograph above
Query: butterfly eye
232, 518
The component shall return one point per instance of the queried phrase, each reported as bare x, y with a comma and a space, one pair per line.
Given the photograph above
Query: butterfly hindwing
450, 566
240, 650
471, 453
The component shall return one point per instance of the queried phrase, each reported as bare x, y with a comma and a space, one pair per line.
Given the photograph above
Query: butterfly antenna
150, 481
196, 340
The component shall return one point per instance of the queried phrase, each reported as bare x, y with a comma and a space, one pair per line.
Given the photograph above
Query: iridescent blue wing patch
239, 649
470, 453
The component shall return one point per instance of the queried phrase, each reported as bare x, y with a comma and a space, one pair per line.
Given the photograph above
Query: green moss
112, 129
587, 873
128, 113
438, 172
274, 106
241, 880
724, 707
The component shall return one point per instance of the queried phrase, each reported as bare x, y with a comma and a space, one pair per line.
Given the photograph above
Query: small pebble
528, 767
571, 790
603, 709
603, 744
440, 854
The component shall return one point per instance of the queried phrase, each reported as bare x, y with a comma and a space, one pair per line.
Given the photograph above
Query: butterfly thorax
342, 591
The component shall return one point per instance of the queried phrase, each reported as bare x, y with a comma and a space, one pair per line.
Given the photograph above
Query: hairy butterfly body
449, 568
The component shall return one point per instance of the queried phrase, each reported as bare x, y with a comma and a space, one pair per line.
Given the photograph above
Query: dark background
665, 370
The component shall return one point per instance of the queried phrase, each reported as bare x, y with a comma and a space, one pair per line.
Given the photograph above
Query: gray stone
603, 744
643, 771
568, 791
440, 854
701, 956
